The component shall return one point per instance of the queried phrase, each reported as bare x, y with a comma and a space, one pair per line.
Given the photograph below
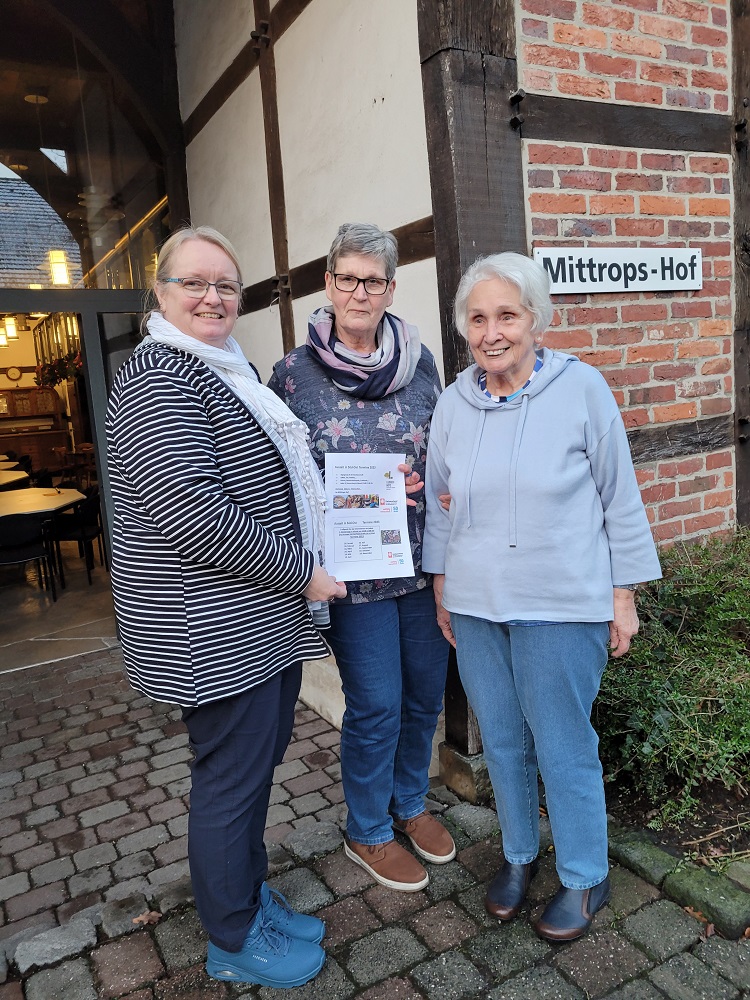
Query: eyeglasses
348, 283
196, 288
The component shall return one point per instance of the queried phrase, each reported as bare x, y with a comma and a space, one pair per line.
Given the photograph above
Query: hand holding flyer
367, 536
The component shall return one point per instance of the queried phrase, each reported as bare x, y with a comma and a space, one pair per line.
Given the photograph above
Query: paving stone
450, 976
44, 898
443, 926
685, 978
14, 885
309, 782
117, 915
12, 991
319, 759
279, 795
390, 905
507, 948
739, 872
99, 814
52, 871
346, 920
190, 984
638, 989
125, 965
133, 865
662, 929
541, 983
390, 989
69, 981
483, 860
443, 795
172, 873
181, 939
279, 814
94, 857
638, 854
629, 892
311, 803
384, 953
447, 879
289, 769
51, 946
714, 896
143, 840
303, 890
172, 896
278, 859
312, 842
472, 900
601, 961
137, 886
730, 959
477, 822
91, 881
545, 883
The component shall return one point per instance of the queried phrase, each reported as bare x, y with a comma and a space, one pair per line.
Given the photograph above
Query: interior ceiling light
37, 96
58, 265
10, 328
3, 339
18, 167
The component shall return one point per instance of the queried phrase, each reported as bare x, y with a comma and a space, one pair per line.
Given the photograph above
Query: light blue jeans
532, 689
392, 658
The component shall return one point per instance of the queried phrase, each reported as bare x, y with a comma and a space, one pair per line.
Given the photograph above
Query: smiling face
500, 335
358, 313
210, 319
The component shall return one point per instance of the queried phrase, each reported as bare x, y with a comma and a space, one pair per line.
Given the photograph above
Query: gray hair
354, 238
170, 247
529, 277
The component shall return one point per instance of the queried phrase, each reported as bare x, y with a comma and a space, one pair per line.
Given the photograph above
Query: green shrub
674, 713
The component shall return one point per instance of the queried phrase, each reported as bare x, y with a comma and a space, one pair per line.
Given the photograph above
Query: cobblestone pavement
93, 787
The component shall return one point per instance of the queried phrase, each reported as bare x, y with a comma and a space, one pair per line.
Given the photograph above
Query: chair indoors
83, 525
24, 538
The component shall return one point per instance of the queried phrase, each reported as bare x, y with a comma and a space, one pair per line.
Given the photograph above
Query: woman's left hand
625, 623
413, 483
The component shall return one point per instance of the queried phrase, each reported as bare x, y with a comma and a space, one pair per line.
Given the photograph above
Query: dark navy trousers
237, 743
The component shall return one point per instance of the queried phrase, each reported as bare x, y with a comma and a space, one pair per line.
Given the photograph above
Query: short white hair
529, 277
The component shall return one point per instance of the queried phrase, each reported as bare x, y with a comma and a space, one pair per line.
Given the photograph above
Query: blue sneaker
268, 958
279, 914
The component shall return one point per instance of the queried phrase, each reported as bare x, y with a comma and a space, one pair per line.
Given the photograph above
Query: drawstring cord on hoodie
513, 483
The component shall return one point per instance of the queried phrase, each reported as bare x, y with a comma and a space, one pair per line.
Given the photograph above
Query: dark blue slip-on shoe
569, 914
507, 890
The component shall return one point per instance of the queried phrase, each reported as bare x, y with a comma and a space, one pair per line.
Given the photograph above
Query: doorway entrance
108, 325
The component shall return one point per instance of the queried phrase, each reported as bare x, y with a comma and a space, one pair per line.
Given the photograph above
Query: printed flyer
367, 537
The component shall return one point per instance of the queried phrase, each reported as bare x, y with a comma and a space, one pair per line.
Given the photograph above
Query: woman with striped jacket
218, 588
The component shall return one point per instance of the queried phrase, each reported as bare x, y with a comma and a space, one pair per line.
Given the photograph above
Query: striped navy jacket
207, 566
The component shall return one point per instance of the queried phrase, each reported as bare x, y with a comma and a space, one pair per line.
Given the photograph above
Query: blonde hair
170, 247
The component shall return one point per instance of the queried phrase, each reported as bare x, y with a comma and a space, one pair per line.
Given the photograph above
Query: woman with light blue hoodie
535, 565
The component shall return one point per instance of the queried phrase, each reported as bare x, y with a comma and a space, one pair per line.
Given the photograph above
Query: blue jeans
532, 689
392, 659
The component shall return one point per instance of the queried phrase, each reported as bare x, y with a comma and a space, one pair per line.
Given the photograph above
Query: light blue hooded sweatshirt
546, 515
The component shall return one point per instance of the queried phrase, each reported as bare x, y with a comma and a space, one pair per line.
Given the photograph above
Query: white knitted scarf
288, 432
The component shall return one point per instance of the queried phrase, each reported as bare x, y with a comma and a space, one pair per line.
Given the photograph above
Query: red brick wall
667, 356
673, 53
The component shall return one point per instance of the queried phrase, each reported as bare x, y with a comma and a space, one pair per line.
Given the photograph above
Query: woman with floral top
364, 383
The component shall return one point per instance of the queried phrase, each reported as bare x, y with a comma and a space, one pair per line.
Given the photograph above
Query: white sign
367, 535
573, 270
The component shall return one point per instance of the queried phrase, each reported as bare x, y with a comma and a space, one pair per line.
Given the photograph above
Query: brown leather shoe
388, 864
429, 838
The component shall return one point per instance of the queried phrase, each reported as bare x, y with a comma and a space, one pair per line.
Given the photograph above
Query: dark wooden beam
235, 74
660, 441
476, 171
562, 119
740, 11
283, 15
274, 171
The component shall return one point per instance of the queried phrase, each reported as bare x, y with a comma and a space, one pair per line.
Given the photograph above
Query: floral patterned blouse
399, 422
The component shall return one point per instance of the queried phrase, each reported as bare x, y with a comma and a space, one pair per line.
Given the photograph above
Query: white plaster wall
259, 336
415, 300
208, 36
227, 180
351, 120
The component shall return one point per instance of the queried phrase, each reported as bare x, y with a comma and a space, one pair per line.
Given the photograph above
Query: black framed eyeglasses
196, 288
348, 283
